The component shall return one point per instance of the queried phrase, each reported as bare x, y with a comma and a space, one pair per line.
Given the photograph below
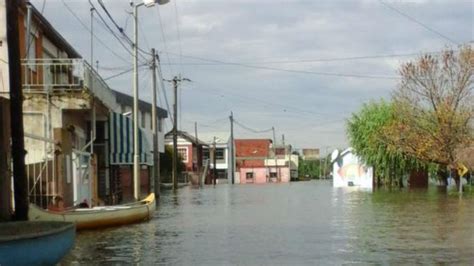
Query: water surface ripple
302, 223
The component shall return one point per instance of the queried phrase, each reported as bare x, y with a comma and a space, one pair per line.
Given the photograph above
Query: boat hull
35, 243
99, 217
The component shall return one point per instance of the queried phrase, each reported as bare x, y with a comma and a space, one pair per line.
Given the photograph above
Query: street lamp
136, 155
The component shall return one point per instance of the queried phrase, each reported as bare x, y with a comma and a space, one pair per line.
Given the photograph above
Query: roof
187, 136
52, 34
125, 99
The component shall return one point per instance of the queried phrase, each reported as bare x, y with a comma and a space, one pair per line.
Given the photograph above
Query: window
183, 153
273, 174
220, 154
249, 175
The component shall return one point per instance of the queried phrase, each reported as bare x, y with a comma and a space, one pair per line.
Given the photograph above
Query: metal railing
65, 74
40, 166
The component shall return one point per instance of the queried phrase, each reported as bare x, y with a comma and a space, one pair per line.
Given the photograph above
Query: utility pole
196, 137
136, 155
232, 152
16, 113
274, 155
155, 177
214, 162
175, 134
175, 82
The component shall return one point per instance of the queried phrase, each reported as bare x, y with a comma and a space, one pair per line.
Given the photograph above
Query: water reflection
297, 223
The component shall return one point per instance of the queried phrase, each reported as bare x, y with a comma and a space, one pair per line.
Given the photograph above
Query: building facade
190, 150
67, 115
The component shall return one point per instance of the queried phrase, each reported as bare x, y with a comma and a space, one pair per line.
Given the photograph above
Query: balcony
61, 75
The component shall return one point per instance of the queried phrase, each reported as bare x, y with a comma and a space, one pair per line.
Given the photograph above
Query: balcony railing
65, 74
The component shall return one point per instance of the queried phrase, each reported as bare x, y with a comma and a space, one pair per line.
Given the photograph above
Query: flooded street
288, 224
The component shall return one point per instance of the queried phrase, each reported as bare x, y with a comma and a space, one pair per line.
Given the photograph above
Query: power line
162, 84
336, 59
251, 129
164, 37
418, 22
121, 31
292, 70
104, 24
89, 30
122, 73
179, 35
253, 99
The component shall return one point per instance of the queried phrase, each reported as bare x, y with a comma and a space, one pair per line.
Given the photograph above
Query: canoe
101, 216
35, 243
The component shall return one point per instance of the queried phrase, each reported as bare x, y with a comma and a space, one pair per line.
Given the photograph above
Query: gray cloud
309, 109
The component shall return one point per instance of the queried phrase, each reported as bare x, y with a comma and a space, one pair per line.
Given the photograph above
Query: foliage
314, 169
434, 107
366, 132
166, 163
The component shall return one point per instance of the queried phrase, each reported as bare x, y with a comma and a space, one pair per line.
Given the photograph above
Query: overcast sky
308, 102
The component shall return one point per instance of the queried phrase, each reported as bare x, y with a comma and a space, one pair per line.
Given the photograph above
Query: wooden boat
102, 216
35, 243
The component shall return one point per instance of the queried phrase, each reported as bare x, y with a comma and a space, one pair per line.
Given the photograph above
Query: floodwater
301, 223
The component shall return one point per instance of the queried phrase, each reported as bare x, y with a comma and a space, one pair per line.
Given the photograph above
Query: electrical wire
418, 22
89, 30
160, 22
178, 32
251, 129
292, 70
123, 72
122, 32
120, 29
162, 84
336, 59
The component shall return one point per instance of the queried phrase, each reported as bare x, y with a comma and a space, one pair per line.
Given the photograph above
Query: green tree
166, 164
366, 131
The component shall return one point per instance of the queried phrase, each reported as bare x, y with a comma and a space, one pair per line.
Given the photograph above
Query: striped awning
121, 141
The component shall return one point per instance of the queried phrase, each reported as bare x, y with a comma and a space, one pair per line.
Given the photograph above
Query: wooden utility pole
175, 82
232, 152
196, 137
214, 162
175, 134
274, 155
16, 113
155, 176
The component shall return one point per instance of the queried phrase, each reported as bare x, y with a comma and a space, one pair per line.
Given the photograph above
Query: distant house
348, 170
222, 157
250, 157
190, 150
258, 161
286, 164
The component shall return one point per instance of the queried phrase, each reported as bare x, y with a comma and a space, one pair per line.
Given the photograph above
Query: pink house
258, 161
250, 156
